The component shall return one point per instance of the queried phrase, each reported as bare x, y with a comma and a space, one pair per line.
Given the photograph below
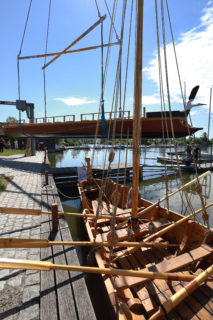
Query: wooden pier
64, 295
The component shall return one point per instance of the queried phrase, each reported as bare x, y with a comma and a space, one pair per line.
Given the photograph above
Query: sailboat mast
137, 107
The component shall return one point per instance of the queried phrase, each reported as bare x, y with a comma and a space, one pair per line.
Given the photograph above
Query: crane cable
45, 58
105, 73
18, 67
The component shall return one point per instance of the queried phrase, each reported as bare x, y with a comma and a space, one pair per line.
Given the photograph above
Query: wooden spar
163, 231
182, 293
174, 192
43, 243
77, 40
69, 51
6, 263
26, 211
137, 108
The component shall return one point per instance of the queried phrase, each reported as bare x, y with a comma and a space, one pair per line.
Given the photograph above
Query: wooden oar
163, 231
43, 243
174, 192
182, 293
68, 214
46, 266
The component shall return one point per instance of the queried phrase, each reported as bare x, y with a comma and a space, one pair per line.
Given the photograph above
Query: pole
77, 40
137, 108
210, 106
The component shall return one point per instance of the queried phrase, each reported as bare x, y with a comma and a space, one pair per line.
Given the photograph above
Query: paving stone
32, 279
16, 281
2, 284
4, 273
30, 293
30, 312
20, 289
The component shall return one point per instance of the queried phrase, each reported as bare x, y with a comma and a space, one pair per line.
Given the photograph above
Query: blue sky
73, 81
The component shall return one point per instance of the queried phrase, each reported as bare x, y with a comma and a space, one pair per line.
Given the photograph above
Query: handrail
83, 117
108, 115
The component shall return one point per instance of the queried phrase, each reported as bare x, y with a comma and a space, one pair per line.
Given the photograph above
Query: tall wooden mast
137, 107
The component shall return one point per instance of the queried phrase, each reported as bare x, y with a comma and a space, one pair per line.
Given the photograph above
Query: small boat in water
152, 251
168, 245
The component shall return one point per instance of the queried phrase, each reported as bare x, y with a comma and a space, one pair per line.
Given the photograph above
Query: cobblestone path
20, 290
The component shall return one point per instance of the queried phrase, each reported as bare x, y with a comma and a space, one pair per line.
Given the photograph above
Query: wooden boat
139, 298
55, 127
177, 243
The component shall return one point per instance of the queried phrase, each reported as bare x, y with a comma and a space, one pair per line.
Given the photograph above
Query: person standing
1, 145
16, 144
188, 154
196, 153
22, 145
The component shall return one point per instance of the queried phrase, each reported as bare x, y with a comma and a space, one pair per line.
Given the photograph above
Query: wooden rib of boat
152, 127
139, 298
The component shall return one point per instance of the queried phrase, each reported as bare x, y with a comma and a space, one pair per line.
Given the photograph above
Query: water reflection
77, 226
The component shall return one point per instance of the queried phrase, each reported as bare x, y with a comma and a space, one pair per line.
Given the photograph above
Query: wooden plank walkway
64, 294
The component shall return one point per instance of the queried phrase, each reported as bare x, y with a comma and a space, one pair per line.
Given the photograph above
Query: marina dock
37, 294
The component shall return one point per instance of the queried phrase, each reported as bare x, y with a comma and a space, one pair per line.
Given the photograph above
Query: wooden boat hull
152, 128
136, 299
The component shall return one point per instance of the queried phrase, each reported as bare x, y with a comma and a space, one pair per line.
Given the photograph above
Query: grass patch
4, 182
11, 152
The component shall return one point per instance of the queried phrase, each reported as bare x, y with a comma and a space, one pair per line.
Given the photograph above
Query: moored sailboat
177, 243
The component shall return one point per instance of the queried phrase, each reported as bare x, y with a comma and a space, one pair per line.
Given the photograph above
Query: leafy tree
11, 120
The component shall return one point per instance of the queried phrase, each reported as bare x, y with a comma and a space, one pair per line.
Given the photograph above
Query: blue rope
22, 130
103, 122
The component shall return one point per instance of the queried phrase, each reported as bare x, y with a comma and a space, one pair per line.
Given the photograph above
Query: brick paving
20, 290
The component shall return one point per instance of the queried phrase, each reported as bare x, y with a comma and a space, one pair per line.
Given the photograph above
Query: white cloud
72, 101
194, 51
149, 100
193, 112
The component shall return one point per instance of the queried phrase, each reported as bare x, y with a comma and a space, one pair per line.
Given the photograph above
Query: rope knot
199, 189
112, 238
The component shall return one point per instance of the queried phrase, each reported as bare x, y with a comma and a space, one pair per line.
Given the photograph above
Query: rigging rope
18, 67
169, 102
45, 58
117, 37
105, 74
22, 41
124, 97
199, 188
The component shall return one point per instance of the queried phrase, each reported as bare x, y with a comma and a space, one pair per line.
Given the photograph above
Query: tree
11, 120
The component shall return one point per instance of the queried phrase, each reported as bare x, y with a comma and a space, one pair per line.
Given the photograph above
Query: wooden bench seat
170, 265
